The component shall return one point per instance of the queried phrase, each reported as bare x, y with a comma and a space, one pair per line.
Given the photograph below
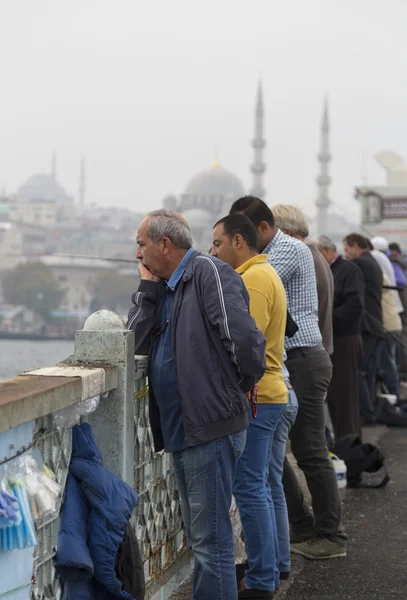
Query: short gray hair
168, 223
323, 241
290, 217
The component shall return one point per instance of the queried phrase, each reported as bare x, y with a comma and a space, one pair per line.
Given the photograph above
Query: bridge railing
103, 352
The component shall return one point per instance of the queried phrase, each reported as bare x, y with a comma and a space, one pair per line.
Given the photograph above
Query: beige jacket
391, 318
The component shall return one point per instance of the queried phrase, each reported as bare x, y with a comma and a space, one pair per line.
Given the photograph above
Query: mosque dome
198, 218
215, 181
42, 187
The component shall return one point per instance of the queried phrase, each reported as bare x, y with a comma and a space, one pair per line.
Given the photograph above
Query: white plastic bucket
340, 470
391, 398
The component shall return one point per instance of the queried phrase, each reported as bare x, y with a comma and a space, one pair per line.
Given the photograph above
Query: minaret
258, 144
323, 180
54, 165
82, 183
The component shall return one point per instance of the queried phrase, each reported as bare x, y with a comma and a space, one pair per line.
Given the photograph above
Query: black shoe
241, 569
284, 575
255, 594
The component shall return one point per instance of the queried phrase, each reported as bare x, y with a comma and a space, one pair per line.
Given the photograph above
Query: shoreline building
384, 207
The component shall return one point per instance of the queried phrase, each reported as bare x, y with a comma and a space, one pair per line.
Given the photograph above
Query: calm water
17, 356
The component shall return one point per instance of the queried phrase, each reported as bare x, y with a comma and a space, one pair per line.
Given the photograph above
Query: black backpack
360, 457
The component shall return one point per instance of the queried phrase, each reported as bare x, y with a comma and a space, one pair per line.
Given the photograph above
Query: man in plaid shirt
317, 534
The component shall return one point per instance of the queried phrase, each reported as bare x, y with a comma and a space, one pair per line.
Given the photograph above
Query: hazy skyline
146, 91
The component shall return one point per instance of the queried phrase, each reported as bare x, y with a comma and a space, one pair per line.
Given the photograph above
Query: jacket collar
189, 269
180, 270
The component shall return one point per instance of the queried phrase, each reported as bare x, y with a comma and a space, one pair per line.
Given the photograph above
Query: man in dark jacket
356, 249
191, 316
343, 392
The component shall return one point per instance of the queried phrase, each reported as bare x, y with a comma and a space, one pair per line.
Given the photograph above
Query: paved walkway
376, 523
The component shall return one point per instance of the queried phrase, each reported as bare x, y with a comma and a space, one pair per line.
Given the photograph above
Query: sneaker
296, 538
319, 548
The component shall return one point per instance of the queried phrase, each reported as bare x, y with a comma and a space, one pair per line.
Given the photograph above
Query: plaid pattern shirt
293, 262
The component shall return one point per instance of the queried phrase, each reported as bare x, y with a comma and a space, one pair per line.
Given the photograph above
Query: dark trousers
343, 391
310, 374
388, 361
367, 377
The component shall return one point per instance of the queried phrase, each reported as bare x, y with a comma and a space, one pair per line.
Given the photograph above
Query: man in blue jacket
191, 315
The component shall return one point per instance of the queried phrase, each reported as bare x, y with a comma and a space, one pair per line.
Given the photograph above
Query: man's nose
139, 254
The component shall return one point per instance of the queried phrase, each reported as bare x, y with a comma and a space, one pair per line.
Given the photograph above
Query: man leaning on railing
191, 317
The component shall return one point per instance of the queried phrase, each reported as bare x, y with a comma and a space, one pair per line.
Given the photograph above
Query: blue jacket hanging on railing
96, 511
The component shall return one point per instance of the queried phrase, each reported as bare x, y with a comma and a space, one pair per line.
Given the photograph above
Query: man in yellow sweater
234, 242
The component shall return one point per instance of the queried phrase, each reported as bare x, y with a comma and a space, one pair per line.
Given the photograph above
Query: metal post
105, 340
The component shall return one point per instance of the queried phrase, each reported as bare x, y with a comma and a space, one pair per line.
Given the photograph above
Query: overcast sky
147, 89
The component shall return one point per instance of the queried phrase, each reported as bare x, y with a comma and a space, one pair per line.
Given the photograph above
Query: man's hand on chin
147, 274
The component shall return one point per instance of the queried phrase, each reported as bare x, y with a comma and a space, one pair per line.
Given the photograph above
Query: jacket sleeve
143, 315
399, 274
353, 293
73, 561
225, 302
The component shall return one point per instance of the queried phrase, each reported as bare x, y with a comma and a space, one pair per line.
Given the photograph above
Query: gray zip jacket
219, 354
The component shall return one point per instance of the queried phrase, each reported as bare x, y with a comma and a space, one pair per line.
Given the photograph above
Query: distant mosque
44, 187
210, 194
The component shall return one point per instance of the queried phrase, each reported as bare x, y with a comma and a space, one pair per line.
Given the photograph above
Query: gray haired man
191, 316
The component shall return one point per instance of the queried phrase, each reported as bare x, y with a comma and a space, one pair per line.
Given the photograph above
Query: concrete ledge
28, 397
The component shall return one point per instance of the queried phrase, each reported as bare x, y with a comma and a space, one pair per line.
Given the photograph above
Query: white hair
168, 223
323, 241
291, 218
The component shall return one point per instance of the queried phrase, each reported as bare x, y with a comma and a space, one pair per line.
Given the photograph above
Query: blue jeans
205, 475
253, 499
276, 480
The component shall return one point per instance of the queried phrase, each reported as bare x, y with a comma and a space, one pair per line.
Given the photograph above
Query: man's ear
165, 244
262, 227
238, 241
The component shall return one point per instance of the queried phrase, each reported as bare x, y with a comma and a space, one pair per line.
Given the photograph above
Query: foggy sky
147, 89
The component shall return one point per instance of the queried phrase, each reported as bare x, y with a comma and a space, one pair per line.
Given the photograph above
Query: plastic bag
9, 510
40, 485
71, 415
19, 532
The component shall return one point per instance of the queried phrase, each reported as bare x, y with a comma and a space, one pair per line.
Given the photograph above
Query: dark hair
395, 246
254, 208
369, 244
239, 224
356, 239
